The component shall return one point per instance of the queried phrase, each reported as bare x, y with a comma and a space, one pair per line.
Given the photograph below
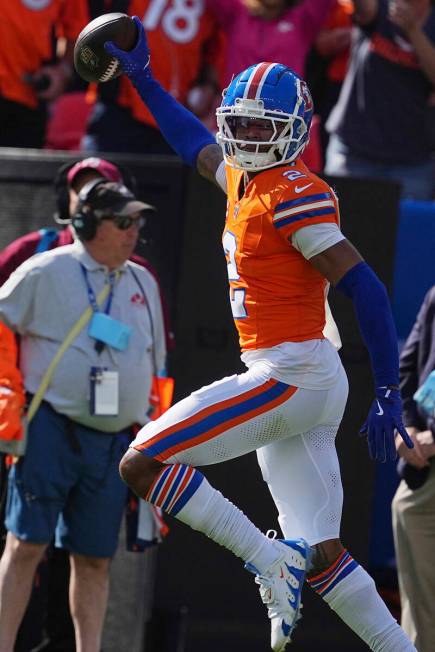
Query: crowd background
197, 46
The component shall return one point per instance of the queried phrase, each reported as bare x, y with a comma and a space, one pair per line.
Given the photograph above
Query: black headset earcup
84, 220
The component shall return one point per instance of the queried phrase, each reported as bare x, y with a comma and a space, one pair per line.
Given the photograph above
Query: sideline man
99, 389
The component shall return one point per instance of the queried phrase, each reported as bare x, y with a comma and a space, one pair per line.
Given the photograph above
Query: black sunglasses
124, 222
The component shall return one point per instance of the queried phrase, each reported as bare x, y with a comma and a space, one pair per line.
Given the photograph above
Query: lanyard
99, 345
91, 293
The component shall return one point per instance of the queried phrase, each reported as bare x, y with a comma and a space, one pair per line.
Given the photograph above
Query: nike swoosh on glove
136, 61
384, 418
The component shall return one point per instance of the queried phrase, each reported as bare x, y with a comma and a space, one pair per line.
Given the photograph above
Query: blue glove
136, 61
384, 417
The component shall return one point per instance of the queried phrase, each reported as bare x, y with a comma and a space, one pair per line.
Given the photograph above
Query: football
91, 61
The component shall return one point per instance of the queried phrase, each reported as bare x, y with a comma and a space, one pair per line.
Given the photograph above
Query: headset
61, 189
84, 220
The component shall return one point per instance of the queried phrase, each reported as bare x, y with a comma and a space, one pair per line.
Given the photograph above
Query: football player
283, 246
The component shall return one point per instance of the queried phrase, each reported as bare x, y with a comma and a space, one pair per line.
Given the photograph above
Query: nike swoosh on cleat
381, 412
298, 190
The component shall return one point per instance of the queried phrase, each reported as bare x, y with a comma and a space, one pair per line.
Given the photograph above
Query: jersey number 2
237, 295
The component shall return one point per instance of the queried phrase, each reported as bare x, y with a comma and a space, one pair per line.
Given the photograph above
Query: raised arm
194, 144
408, 17
343, 266
405, 15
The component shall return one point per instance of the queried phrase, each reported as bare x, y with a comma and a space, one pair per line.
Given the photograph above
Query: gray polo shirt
45, 297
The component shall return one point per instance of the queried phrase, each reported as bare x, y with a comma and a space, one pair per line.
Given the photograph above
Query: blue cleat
281, 589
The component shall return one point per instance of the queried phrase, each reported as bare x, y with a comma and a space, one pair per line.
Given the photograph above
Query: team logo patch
307, 96
137, 299
89, 58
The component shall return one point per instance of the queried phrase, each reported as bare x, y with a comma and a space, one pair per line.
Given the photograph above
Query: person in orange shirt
31, 74
333, 47
334, 38
12, 398
187, 47
283, 246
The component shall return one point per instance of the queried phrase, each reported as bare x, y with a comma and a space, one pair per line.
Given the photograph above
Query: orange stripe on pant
223, 424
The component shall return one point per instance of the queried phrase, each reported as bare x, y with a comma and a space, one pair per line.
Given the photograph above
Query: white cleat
281, 589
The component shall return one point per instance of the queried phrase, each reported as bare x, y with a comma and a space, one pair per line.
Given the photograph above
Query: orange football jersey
276, 294
179, 33
26, 37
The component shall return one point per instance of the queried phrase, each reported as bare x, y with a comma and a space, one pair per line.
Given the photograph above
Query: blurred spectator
414, 502
272, 30
185, 41
67, 121
268, 30
332, 47
32, 71
383, 124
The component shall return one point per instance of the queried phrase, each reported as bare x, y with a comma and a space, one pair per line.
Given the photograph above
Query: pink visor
106, 169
